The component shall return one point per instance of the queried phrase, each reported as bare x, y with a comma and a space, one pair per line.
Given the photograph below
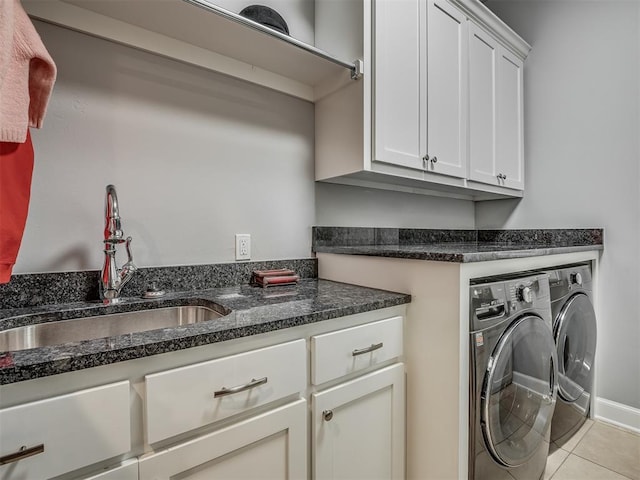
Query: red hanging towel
16, 168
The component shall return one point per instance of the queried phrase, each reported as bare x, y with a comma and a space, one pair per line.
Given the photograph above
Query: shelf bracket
357, 70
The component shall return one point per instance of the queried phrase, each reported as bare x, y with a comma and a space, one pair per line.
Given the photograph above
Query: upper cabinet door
496, 153
510, 130
483, 53
396, 90
447, 56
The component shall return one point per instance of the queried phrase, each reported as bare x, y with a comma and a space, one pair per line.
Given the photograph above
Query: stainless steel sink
100, 326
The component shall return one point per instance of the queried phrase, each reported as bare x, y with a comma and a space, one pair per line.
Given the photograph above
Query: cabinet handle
362, 351
240, 388
327, 415
24, 452
427, 159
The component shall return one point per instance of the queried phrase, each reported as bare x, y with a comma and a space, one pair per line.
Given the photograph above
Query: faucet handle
128, 247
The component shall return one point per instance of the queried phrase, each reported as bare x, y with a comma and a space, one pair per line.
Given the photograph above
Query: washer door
519, 391
575, 335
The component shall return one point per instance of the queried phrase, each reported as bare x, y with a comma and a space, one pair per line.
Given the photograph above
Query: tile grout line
582, 437
590, 460
601, 466
559, 466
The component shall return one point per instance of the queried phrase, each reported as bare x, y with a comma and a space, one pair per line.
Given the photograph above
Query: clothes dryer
575, 332
513, 371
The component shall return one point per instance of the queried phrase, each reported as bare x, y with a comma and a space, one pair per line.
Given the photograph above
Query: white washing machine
513, 371
575, 332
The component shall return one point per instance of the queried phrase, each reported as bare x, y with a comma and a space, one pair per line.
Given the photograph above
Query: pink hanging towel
16, 167
27, 74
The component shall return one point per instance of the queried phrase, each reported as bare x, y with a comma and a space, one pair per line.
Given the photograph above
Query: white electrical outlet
243, 246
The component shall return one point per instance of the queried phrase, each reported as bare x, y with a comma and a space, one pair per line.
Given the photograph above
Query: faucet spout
112, 278
112, 227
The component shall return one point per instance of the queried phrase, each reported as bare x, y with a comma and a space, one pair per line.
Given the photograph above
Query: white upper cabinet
496, 152
420, 86
399, 129
439, 109
446, 92
483, 54
510, 129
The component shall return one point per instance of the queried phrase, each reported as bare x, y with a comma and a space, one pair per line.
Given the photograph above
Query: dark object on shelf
266, 16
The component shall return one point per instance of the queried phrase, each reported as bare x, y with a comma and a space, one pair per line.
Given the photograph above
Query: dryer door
519, 391
575, 335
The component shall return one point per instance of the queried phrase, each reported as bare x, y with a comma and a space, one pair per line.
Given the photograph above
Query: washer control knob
525, 294
576, 278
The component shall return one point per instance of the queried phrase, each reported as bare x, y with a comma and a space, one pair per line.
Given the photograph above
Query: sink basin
89, 328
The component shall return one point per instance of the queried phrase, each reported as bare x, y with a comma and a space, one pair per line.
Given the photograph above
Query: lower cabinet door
271, 445
358, 427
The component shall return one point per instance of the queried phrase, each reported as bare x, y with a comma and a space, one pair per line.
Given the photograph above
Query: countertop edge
53, 364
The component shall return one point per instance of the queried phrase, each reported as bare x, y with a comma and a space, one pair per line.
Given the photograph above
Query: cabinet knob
434, 159
327, 415
502, 176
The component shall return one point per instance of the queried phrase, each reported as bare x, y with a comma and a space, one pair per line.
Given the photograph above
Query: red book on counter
276, 280
279, 272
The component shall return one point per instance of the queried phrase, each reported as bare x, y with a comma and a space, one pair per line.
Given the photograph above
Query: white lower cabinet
50, 437
271, 445
233, 410
358, 427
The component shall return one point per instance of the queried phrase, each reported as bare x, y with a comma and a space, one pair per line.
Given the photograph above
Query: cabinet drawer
339, 353
75, 430
189, 397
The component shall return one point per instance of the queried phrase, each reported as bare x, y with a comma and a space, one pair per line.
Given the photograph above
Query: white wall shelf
202, 34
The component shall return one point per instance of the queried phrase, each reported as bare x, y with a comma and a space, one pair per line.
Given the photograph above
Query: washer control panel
525, 293
522, 294
493, 300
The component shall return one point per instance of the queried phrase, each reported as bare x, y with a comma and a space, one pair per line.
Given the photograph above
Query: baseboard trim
617, 414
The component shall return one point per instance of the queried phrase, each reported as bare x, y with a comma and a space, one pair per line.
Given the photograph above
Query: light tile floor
598, 451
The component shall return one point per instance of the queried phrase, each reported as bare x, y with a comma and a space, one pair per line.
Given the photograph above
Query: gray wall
582, 104
346, 206
196, 157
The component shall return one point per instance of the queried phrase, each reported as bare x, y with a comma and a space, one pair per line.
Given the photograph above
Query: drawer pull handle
240, 388
362, 351
24, 452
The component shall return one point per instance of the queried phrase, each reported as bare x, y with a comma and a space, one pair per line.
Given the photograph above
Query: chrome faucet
112, 278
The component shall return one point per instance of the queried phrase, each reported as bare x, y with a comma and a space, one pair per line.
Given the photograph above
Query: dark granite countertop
456, 252
460, 246
249, 311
